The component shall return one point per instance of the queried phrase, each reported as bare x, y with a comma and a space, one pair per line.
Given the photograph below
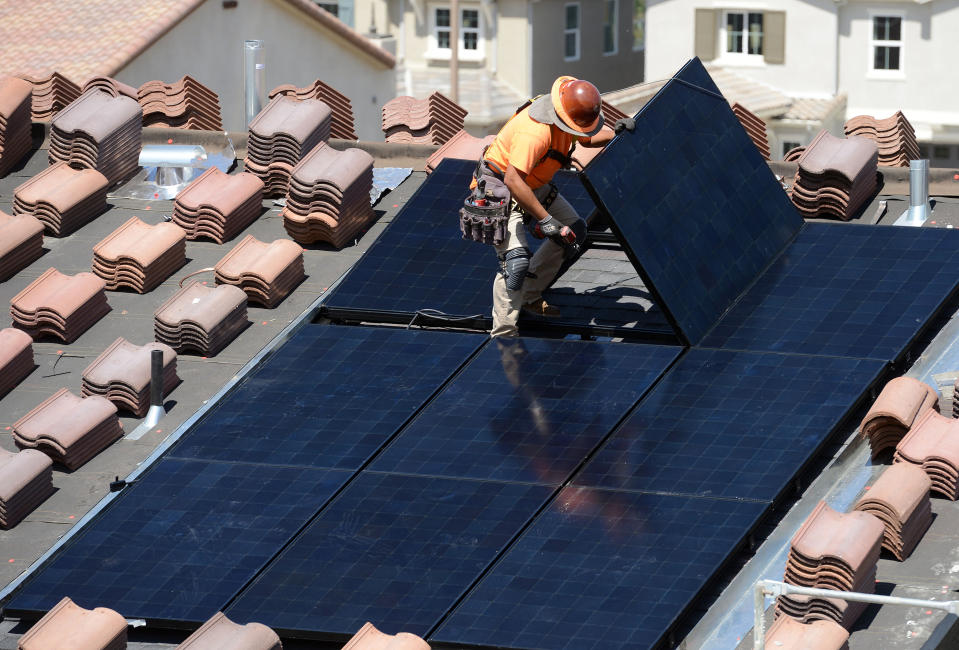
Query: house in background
136, 41
823, 56
508, 50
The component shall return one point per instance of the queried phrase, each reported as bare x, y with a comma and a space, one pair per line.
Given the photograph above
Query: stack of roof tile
69, 429
26, 480
281, 134
832, 550
50, 94
99, 132
836, 176
789, 634
63, 306
894, 136
15, 128
16, 358
122, 374
140, 256
794, 154
955, 394
184, 104
21, 242
267, 273
897, 408
611, 114
433, 120
755, 128
369, 638
68, 625
933, 444
329, 196
900, 499
200, 318
461, 146
112, 86
220, 632
343, 124
218, 205
63, 198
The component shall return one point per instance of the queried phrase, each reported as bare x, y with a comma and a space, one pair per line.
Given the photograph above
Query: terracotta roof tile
835, 176
462, 146
218, 206
184, 104
63, 306
26, 480
15, 126
342, 124
265, 272
68, 625
51, 94
220, 632
16, 358
122, 374
21, 242
787, 634
62, 198
894, 136
140, 256
433, 120
933, 444
900, 499
755, 127
369, 638
897, 408
201, 319
110, 85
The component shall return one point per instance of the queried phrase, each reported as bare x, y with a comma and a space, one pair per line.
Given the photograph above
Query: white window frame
614, 27
434, 50
740, 57
576, 31
901, 44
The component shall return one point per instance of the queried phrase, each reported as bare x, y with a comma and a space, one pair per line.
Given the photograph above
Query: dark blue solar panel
397, 550
526, 410
601, 569
850, 291
421, 260
330, 397
697, 209
177, 544
731, 424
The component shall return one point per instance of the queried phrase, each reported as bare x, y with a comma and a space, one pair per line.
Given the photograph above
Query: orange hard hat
578, 105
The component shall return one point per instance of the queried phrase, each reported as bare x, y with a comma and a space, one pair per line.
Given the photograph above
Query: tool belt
485, 212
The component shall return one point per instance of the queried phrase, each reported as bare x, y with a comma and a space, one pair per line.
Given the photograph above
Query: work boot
540, 307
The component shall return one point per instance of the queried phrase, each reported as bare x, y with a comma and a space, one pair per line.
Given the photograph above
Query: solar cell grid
398, 550
177, 544
858, 292
526, 410
695, 205
731, 424
600, 569
335, 396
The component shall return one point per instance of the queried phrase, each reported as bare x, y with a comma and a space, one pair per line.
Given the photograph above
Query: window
610, 26
470, 45
332, 7
942, 151
886, 42
744, 32
789, 145
571, 33
639, 24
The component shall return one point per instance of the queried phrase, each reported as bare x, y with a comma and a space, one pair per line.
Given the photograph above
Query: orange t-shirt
524, 142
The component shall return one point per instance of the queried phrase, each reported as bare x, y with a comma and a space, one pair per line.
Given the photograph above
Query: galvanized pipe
775, 588
254, 78
919, 190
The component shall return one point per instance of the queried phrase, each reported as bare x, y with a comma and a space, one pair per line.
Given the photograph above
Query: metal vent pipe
254, 78
918, 190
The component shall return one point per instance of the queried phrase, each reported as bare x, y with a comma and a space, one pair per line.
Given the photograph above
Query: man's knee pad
515, 267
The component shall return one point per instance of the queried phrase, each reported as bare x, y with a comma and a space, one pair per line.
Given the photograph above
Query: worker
530, 148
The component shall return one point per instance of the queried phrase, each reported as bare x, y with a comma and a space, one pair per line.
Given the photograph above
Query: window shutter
774, 45
706, 30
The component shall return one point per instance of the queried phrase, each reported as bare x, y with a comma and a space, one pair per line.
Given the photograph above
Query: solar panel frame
732, 424
600, 569
536, 409
695, 249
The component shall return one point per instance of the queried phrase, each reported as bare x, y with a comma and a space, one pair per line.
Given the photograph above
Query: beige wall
608, 72
513, 45
208, 45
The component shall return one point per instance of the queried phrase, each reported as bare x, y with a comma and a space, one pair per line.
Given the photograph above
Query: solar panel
177, 544
526, 410
864, 291
600, 569
693, 202
335, 396
731, 424
397, 550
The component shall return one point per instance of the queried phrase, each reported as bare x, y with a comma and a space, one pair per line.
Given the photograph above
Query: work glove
624, 124
546, 228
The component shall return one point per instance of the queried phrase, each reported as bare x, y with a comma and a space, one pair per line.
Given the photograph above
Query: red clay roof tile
68, 625
220, 632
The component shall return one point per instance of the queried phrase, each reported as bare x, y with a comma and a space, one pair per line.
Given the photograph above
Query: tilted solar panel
731, 424
600, 569
398, 550
693, 202
335, 396
857, 291
179, 542
526, 410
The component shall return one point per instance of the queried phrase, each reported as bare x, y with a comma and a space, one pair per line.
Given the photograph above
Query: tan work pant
544, 265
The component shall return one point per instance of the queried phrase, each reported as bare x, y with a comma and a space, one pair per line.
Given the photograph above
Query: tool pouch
484, 218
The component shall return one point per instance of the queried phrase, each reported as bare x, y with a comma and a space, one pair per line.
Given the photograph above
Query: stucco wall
608, 72
810, 48
208, 45
926, 91
513, 45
